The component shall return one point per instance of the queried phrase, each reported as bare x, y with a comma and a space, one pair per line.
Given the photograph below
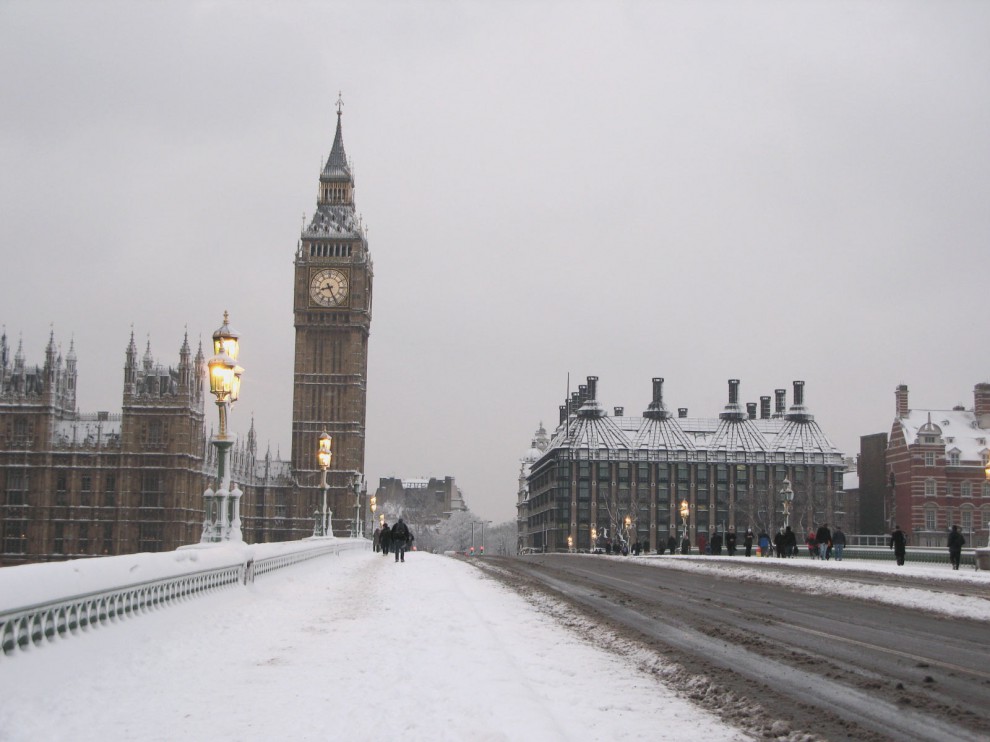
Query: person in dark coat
898, 543
823, 537
838, 542
685, 545
385, 539
748, 541
790, 543
956, 542
672, 544
778, 544
376, 539
716, 543
400, 540
730, 542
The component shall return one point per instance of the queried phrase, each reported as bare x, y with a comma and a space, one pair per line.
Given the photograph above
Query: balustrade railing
34, 625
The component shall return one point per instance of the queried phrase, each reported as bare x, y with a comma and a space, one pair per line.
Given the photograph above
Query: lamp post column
324, 456
221, 522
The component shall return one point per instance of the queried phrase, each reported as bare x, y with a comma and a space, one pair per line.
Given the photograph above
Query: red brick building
935, 463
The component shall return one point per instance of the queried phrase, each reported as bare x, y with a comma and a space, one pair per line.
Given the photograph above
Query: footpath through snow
349, 647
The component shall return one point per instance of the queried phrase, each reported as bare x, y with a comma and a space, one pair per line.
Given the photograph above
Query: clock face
329, 288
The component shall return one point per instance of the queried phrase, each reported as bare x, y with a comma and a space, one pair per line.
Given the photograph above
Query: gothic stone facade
600, 469
332, 311
75, 484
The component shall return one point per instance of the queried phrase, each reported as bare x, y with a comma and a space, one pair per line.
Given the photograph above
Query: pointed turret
148, 361
185, 366
337, 167
336, 179
130, 364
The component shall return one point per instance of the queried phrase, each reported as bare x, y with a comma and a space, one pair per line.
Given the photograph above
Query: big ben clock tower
332, 310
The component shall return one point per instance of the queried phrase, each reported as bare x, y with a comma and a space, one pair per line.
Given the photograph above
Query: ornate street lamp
324, 455
685, 512
594, 539
374, 506
787, 497
356, 485
223, 518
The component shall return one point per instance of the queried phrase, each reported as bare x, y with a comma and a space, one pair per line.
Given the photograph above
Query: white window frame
929, 458
930, 488
931, 519
966, 489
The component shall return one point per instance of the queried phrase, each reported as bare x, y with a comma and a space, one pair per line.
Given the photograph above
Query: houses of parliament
76, 484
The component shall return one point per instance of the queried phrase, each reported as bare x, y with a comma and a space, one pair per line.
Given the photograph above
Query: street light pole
324, 455
356, 484
787, 495
222, 521
685, 511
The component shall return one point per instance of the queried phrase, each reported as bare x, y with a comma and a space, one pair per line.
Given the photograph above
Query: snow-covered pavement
347, 647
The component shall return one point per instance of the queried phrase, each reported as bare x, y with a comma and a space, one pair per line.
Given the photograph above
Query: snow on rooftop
960, 431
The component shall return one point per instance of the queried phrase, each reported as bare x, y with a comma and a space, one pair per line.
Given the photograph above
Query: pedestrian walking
790, 543
748, 541
730, 542
812, 544
376, 539
764, 542
778, 543
672, 544
716, 543
685, 545
400, 540
898, 542
823, 537
838, 542
956, 542
386, 539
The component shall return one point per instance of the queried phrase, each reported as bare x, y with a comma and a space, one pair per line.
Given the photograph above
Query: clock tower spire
332, 317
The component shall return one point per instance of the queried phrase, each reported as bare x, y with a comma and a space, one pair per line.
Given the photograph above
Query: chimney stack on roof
765, 408
619, 411
780, 403
981, 404
751, 410
798, 412
656, 410
901, 396
593, 387
563, 413
733, 410
682, 412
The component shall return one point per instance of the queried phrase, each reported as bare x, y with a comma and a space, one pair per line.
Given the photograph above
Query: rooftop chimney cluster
585, 400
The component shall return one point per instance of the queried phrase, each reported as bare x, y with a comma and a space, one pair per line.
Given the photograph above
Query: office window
929, 458
930, 519
966, 489
929, 488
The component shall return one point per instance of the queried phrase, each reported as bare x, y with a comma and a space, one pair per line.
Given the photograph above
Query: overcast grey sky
701, 191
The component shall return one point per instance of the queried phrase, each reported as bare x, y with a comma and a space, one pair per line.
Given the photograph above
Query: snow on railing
48, 620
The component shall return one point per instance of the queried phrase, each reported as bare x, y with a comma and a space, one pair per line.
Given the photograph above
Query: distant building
538, 446
419, 501
875, 502
935, 464
76, 484
624, 478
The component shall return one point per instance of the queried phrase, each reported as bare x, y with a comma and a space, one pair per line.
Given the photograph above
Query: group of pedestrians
898, 542
823, 543
396, 540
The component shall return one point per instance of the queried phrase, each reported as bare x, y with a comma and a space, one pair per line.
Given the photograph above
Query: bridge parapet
41, 603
